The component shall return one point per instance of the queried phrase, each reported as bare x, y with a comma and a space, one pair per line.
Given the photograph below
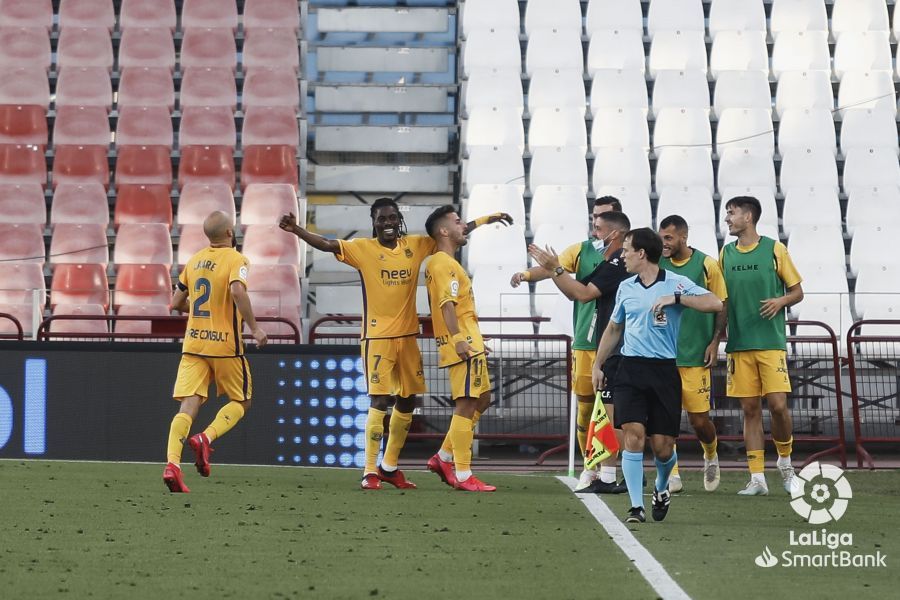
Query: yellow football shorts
694, 389
393, 366
469, 379
231, 375
754, 373
582, 366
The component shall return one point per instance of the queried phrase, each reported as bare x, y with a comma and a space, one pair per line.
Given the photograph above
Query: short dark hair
647, 240
748, 203
618, 220
676, 221
610, 200
431, 223
385, 202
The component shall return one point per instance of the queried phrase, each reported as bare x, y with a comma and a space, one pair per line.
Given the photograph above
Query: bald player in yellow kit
212, 289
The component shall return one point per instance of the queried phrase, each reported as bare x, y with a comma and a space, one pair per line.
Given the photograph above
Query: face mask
600, 245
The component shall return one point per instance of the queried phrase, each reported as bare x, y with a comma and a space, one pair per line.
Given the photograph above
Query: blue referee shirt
648, 335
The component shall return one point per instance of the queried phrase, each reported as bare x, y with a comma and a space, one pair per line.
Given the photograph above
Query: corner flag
601, 437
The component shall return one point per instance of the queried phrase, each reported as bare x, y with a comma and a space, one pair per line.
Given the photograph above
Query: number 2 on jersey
206, 286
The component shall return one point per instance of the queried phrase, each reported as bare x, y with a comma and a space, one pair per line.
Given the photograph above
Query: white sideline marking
649, 567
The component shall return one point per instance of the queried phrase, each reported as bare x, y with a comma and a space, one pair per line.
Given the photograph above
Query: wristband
526, 275
677, 297
458, 337
485, 219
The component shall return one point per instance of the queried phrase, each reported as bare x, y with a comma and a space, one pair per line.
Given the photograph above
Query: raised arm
532, 274
289, 223
242, 301
568, 285
500, 217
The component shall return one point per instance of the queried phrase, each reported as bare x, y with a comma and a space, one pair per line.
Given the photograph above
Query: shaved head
216, 226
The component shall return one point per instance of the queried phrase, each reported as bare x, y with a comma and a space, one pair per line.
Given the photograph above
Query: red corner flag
601, 437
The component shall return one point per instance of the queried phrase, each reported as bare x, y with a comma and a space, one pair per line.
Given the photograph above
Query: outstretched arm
289, 223
500, 217
568, 285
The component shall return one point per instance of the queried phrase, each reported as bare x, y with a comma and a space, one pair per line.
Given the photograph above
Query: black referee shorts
648, 391
610, 368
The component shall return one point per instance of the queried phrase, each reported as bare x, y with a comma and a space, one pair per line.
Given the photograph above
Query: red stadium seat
18, 282
270, 125
23, 124
264, 86
22, 203
274, 285
73, 326
207, 126
138, 203
139, 310
206, 164
291, 313
147, 48
79, 203
143, 244
81, 125
191, 241
27, 13
144, 164
25, 46
23, 313
148, 13
143, 284
264, 203
208, 86
79, 243
271, 48
22, 242
80, 164
198, 200
208, 48
271, 13
25, 85
79, 284
84, 47
87, 13
269, 164
144, 126
22, 164
84, 86
270, 245
145, 86
209, 13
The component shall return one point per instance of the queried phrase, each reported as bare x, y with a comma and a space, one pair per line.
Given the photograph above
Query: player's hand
711, 354
516, 279
464, 350
288, 222
501, 217
487, 349
260, 336
662, 302
545, 257
771, 307
598, 378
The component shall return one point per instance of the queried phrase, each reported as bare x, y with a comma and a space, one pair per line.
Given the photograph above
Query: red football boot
172, 479
200, 445
370, 481
473, 484
396, 478
442, 469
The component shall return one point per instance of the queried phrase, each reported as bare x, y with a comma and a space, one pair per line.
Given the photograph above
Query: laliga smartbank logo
821, 494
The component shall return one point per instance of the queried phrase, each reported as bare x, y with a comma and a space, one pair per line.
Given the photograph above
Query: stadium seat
84, 86
79, 326
496, 298
875, 298
813, 245
694, 204
804, 89
24, 46
736, 15
146, 86
744, 168
557, 127
22, 242
626, 167
546, 297
79, 284
613, 89
80, 164
500, 165
704, 239
19, 282
142, 284
25, 86
496, 244
209, 13
82, 125
806, 168
803, 128
485, 199
620, 128
148, 13
274, 285
269, 164
749, 128
614, 15
675, 15
84, 47
289, 313
139, 310
24, 314
864, 89
800, 51
140, 203
553, 49
275, 125
806, 207
558, 166
635, 203
143, 165
557, 236
489, 88
87, 13
868, 167
270, 245
338, 300
152, 48
202, 47
680, 89
742, 89
677, 51
797, 15
79, 243
867, 247
559, 204
677, 127
562, 15
270, 48
556, 89
144, 126
22, 164
872, 206
207, 126
496, 15
494, 127
265, 86
206, 164
868, 128
850, 16
207, 86
79, 203
263, 14
265, 203
616, 49
768, 220
190, 241
22, 203
739, 51
27, 13
23, 125
862, 51
680, 167
198, 200
143, 244
492, 49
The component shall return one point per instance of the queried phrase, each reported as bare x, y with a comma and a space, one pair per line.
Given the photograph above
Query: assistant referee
647, 389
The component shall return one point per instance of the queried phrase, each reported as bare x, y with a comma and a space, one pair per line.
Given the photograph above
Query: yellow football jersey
214, 322
389, 278
447, 281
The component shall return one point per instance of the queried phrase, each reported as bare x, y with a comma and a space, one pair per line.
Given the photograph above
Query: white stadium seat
695, 205
800, 51
676, 127
877, 287
614, 15
739, 51
677, 50
680, 89
493, 126
797, 15
496, 244
619, 128
488, 49
805, 168
617, 49
745, 128
635, 203
492, 87
494, 297
554, 49
559, 237
558, 166
862, 51
557, 127
490, 14
805, 128
811, 245
556, 89
560, 205
741, 89
864, 89
868, 245
872, 206
617, 88
562, 15
804, 89
812, 206
736, 15
859, 15
704, 239
626, 167
868, 128
871, 167
493, 164
744, 168
675, 15
680, 167
485, 199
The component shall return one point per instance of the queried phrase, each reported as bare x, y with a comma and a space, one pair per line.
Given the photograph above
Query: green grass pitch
105, 530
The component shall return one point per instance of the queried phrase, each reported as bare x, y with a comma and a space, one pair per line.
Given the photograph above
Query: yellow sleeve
240, 269
715, 282
352, 252
785, 266
424, 242
568, 258
443, 285
182, 279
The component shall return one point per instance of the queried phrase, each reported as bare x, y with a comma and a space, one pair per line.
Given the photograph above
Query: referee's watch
677, 297
558, 271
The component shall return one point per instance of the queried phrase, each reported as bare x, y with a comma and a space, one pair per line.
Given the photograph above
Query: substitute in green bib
762, 282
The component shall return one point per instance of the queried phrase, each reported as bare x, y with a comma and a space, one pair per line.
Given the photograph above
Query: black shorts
610, 368
648, 391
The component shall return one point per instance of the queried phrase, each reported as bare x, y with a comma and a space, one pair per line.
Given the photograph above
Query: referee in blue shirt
647, 388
